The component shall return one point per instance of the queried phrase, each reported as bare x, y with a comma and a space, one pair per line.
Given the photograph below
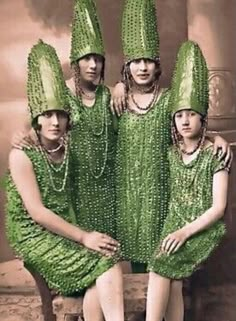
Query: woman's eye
48, 115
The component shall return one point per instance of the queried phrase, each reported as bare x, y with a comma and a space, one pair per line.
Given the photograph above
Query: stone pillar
212, 24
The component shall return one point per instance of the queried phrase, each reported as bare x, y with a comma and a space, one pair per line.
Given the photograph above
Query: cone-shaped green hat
139, 30
189, 88
46, 87
86, 34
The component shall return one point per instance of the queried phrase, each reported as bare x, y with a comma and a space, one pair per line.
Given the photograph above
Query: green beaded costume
66, 266
142, 179
191, 196
93, 137
142, 172
92, 167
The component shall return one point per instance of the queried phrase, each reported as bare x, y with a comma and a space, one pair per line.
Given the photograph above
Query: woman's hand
23, 139
174, 241
100, 242
223, 150
118, 99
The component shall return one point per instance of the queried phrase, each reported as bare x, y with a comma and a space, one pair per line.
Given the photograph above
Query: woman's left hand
223, 150
174, 241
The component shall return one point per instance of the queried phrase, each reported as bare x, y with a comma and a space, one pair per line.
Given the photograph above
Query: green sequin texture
191, 196
189, 88
46, 87
92, 167
142, 179
86, 34
140, 37
66, 266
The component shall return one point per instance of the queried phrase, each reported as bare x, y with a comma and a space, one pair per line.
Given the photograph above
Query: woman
93, 134
193, 227
143, 139
41, 222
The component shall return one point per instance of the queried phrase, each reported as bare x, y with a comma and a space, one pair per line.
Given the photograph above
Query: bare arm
220, 187
24, 178
216, 211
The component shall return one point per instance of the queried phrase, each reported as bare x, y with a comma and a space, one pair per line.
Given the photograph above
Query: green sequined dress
67, 267
191, 196
92, 167
142, 179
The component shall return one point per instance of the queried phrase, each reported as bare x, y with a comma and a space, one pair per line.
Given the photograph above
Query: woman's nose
54, 119
92, 63
185, 120
143, 65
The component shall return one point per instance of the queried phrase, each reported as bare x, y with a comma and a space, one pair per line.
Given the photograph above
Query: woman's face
90, 68
143, 71
188, 123
53, 124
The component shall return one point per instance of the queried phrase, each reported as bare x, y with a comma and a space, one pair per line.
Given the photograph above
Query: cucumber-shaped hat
189, 88
86, 34
140, 37
46, 88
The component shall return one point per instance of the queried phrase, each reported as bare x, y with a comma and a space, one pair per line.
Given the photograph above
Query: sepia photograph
118, 160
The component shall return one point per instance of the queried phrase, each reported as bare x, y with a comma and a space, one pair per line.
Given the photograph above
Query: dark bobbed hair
37, 127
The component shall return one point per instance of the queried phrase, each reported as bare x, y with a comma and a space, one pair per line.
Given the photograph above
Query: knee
176, 285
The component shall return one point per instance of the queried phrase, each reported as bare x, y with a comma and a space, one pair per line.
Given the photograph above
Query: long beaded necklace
89, 96
50, 166
98, 127
150, 104
193, 150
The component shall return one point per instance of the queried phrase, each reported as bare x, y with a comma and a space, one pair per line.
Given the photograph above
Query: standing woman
142, 179
93, 135
41, 223
199, 182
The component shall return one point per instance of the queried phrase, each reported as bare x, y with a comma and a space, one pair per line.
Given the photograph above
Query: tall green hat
140, 37
86, 34
46, 88
189, 88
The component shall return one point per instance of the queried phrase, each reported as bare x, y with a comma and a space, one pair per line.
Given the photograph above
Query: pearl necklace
51, 167
54, 150
101, 130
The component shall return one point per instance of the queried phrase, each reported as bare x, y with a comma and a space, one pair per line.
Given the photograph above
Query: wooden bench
61, 308
135, 289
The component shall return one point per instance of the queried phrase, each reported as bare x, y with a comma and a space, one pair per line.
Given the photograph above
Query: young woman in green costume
93, 135
199, 181
143, 138
41, 222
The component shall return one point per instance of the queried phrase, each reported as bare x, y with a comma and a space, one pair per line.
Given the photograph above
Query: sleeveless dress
142, 179
191, 196
67, 266
93, 145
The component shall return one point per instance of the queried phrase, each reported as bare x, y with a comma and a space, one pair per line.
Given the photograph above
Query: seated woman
40, 219
199, 182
